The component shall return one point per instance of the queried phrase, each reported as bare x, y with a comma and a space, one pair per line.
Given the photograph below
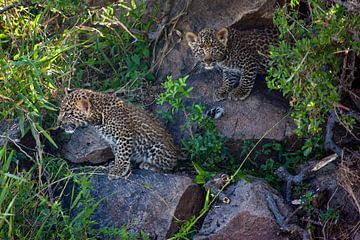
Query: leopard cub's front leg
246, 83
220, 94
230, 79
121, 167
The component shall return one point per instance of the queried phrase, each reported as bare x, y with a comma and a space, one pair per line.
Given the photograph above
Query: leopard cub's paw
219, 96
238, 96
113, 174
148, 166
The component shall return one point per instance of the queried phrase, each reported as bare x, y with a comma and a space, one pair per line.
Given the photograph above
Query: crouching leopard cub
240, 54
133, 133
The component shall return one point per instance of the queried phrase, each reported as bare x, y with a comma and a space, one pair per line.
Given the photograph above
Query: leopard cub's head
75, 110
209, 46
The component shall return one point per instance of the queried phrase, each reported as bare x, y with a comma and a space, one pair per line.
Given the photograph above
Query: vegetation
306, 65
203, 144
46, 46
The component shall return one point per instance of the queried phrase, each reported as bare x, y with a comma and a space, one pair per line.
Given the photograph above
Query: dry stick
5, 99
346, 176
346, 127
284, 175
165, 18
13, 5
18, 146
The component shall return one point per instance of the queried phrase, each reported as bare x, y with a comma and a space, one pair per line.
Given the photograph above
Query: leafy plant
306, 64
330, 215
204, 146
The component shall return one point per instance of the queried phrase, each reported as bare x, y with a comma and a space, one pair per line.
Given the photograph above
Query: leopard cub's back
149, 131
255, 41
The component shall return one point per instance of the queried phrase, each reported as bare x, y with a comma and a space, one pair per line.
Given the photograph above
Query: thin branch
13, 5
15, 142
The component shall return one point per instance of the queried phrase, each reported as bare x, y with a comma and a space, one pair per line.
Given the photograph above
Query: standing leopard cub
133, 133
240, 54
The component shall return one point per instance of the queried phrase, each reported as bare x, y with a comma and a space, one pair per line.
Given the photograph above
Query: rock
243, 119
247, 119
337, 197
250, 118
247, 216
9, 129
148, 201
86, 145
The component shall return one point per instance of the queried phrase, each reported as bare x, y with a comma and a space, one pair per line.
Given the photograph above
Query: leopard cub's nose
208, 60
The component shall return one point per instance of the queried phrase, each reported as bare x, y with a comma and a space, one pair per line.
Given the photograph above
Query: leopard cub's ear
191, 38
84, 105
222, 34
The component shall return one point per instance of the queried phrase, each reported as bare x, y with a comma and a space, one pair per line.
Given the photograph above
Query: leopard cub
133, 133
240, 54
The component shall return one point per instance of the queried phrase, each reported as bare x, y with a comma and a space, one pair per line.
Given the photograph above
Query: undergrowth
46, 46
202, 143
307, 63
30, 208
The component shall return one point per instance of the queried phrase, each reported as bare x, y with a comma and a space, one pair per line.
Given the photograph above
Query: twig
13, 5
50, 191
323, 162
348, 180
15, 142
163, 30
5, 99
297, 67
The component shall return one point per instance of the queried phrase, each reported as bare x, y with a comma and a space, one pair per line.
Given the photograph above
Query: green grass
46, 47
31, 208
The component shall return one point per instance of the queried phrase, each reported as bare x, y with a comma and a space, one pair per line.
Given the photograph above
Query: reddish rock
247, 216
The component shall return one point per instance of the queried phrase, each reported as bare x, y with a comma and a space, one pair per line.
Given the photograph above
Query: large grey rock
250, 118
148, 201
86, 145
247, 216
243, 119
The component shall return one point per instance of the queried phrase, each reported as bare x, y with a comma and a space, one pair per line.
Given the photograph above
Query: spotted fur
133, 133
240, 54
